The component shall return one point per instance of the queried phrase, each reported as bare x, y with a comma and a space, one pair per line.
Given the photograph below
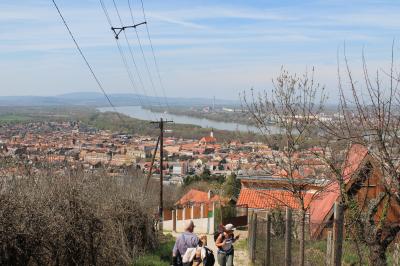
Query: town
177, 133
265, 185
58, 143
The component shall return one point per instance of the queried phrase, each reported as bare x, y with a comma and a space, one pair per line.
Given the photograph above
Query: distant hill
98, 99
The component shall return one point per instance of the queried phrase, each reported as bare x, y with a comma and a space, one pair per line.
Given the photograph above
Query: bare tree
369, 114
291, 107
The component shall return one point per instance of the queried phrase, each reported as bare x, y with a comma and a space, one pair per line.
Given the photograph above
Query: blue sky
204, 48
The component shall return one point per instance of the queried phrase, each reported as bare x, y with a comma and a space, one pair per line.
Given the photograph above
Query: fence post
184, 213
328, 258
202, 210
288, 237
249, 233
268, 241
253, 238
338, 222
214, 226
173, 220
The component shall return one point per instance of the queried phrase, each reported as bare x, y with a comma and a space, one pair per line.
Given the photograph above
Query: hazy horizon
204, 49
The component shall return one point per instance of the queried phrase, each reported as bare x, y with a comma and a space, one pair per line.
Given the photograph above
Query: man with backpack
201, 255
186, 240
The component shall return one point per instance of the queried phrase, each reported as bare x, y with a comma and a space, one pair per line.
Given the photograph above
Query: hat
229, 227
188, 224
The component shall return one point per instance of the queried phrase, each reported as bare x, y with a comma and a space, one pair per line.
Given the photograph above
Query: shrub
77, 219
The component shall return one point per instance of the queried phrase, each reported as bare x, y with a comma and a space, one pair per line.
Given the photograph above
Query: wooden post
173, 220
268, 241
214, 226
328, 258
161, 172
288, 237
249, 216
253, 238
338, 224
161, 139
249, 233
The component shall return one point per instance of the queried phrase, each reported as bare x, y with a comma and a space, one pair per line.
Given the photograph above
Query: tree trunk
338, 227
302, 236
288, 237
378, 255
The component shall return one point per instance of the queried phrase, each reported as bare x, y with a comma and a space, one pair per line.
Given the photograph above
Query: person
205, 255
186, 240
201, 255
220, 230
224, 244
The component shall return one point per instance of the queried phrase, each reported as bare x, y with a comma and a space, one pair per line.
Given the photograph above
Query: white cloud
212, 48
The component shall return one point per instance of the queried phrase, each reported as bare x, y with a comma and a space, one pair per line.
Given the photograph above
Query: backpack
216, 235
209, 259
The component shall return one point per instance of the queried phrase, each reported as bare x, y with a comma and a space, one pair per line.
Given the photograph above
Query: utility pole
161, 139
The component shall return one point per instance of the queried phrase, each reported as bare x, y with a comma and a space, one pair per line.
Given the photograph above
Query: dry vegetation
75, 219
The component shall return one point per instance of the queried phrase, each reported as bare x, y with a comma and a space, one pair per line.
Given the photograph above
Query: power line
141, 49
106, 13
125, 62
86, 61
152, 50
130, 76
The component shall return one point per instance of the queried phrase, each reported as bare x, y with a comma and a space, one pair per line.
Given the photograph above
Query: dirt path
241, 257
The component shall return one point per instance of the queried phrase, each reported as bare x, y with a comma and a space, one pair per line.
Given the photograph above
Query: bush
76, 219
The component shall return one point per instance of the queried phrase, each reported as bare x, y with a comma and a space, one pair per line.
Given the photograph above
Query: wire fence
236, 215
281, 253
275, 239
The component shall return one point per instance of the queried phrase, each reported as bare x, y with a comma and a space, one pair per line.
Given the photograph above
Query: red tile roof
354, 158
321, 207
208, 139
195, 196
269, 199
284, 173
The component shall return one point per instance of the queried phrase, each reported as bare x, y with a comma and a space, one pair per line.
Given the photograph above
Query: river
144, 114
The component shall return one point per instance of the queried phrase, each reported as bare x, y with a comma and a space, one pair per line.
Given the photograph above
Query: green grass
151, 260
350, 256
315, 252
161, 256
241, 244
13, 118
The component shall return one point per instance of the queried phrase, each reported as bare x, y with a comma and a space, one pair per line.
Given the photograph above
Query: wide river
144, 114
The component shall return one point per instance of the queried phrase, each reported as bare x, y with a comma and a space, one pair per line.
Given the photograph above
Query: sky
203, 48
